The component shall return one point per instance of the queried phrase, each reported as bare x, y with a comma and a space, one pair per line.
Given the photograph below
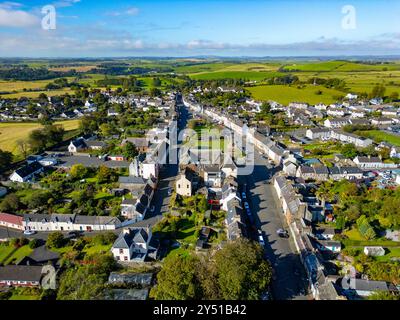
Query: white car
261, 240
29, 232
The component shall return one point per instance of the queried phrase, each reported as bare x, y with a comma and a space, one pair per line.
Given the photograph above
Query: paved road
279, 251
168, 175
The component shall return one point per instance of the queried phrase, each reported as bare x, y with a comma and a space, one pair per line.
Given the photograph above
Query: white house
27, 172
336, 123
132, 244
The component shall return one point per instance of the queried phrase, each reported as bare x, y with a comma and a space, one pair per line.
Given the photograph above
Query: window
187, 186
126, 258
179, 185
118, 258
121, 251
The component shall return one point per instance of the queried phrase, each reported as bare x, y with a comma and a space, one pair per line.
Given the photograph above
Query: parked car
246, 205
152, 209
248, 211
29, 232
282, 233
244, 195
261, 240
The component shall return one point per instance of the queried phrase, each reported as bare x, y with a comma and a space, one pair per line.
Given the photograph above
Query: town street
288, 270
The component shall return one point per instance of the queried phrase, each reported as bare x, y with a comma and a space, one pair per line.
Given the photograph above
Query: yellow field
36, 94
10, 133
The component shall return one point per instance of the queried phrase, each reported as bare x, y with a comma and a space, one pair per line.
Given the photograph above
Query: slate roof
364, 285
21, 273
132, 180
29, 169
42, 255
126, 240
93, 220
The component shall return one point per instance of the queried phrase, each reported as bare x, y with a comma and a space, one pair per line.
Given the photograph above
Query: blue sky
89, 28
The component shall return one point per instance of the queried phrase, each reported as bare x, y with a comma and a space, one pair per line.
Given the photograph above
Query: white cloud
65, 3
10, 5
17, 18
131, 11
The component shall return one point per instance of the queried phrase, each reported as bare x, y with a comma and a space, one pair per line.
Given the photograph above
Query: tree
106, 129
378, 91
34, 243
10, 203
23, 147
104, 174
349, 150
78, 171
6, 158
242, 272
55, 240
177, 279
130, 150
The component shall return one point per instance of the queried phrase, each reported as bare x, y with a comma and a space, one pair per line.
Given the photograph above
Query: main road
289, 280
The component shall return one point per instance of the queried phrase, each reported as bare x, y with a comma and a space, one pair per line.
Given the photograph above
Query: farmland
286, 94
10, 133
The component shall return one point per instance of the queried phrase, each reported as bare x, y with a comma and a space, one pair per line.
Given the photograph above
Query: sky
182, 28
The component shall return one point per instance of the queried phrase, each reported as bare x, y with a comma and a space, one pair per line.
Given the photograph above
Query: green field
11, 132
379, 136
248, 75
286, 94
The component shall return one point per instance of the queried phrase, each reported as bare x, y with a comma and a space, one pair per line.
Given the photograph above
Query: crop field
10, 133
286, 94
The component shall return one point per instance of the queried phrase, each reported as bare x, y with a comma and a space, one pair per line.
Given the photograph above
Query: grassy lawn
355, 239
286, 94
97, 249
11, 132
391, 253
103, 195
5, 251
19, 254
379, 136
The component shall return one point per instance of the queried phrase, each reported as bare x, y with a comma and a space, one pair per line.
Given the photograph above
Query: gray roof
21, 273
125, 240
99, 220
131, 278
132, 180
364, 285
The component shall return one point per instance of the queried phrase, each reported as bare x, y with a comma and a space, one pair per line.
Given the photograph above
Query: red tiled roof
10, 218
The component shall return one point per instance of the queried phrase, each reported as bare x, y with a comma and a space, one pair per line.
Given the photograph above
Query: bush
55, 240
34, 243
